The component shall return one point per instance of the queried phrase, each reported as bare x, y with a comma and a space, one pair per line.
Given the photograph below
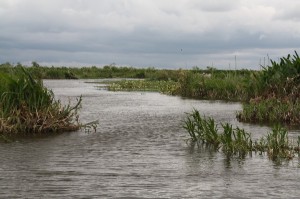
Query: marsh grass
28, 108
215, 86
236, 141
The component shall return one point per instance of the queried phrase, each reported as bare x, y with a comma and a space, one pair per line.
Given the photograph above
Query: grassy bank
236, 141
28, 108
216, 85
199, 84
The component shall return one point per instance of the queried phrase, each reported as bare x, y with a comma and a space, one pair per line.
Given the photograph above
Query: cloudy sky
143, 33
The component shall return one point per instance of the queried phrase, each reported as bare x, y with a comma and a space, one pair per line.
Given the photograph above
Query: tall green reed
21, 89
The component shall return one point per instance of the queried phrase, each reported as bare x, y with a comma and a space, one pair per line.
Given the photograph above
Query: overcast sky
144, 33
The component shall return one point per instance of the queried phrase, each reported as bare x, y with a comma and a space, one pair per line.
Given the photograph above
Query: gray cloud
169, 33
289, 14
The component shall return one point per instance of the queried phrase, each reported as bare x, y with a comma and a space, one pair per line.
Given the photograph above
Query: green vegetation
28, 108
236, 141
216, 84
269, 96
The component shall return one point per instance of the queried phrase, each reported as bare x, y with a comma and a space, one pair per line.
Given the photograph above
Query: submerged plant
278, 144
236, 141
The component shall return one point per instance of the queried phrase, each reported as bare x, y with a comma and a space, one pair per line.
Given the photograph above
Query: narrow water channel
138, 151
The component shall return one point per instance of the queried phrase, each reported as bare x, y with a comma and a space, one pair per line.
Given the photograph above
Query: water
138, 151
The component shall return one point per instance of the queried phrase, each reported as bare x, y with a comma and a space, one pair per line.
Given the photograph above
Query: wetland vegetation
28, 108
145, 129
269, 96
236, 141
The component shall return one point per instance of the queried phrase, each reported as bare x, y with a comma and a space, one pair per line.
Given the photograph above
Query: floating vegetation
166, 87
28, 108
236, 141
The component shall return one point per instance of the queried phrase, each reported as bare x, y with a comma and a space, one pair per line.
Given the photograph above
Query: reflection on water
138, 151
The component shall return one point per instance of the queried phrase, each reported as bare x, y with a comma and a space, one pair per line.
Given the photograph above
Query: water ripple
138, 151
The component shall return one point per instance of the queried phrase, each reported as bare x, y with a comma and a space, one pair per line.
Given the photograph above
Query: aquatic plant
206, 131
28, 108
277, 143
236, 141
202, 129
166, 87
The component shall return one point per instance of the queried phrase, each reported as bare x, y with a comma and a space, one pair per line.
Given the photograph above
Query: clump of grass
236, 141
28, 108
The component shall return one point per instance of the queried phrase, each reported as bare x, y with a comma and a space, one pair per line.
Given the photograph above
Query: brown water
138, 151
